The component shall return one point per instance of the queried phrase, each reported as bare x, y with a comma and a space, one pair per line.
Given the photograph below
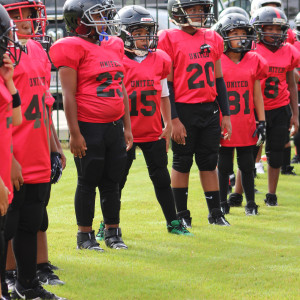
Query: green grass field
257, 257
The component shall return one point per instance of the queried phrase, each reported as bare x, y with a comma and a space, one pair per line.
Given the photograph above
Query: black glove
260, 131
56, 167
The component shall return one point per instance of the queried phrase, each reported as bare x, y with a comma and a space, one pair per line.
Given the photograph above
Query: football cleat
225, 208
251, 209
235, 199
288, 170
113, 238
100, 234
45, 275
10, 279
216, 217
86, 240
176, 227
271, 200
259, 168
296, 159
53, 267
36, 292
185, 218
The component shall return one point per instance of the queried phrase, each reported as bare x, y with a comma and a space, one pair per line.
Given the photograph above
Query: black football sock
165, 198
248, 185
213, 200
180, 198
224, 184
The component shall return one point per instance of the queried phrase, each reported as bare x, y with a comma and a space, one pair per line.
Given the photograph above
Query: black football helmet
82, 16
270, 16
257, 4
232, 10
297, 24
232, 21
38, 19
178, 15
134, 17
8, 39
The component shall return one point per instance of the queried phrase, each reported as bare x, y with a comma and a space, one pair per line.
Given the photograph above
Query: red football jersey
30, 139
6, 137
100, 74
274, 87
239, 79
193, 58
142, 82
297, 45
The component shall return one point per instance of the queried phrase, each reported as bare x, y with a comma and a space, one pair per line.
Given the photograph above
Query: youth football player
97, 112
146, 84
195, 81
31, 157
244, 94
279, 89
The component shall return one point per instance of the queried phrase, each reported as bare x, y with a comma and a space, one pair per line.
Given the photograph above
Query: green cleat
100, 234
176, 227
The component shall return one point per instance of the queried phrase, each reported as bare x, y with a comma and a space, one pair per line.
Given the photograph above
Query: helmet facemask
130, 40
104, 19
38, 19
9, 44
206, 19
279, 39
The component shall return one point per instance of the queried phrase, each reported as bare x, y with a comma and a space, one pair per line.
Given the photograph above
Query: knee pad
11, 224
206, 162
246, 163
182, 163
225, 164
85, 204
275, 159
45, 221
161, 178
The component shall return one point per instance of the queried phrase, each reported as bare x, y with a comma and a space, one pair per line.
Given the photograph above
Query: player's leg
89, 171
2, 259
157, 160
246, 165
277, 128
182, 163
225, 165
206, 157
286, 168
115, 161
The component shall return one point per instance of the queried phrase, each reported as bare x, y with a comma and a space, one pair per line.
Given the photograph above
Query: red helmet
39, 17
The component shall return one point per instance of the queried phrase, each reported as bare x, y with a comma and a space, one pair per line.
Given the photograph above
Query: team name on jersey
37, 81
109, 64
235, 84
142, 83
276, 69
199, 54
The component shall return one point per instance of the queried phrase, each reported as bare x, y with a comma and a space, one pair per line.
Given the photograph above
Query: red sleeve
63, 53
262, 68
295, 58
166, 62
164, 43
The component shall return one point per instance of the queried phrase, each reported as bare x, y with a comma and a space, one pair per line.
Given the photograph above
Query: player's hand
16, 174
78, 145
226, 126
178, 132
56, 167
294, 123
3, 198
7, 69
63, 158
166, 134
128, 139
260, 131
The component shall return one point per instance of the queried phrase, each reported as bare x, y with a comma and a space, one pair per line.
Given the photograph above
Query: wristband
16, 100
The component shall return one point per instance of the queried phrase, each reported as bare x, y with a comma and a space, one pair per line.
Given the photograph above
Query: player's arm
222, 99
292, 87
178, 130
3, 198
59, 147
126, 120
260, 112
165, 109
68, 78
297, 76
16, 174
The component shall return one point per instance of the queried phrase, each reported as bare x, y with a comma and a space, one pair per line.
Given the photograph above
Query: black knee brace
85, 204
206, 162
182, 163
